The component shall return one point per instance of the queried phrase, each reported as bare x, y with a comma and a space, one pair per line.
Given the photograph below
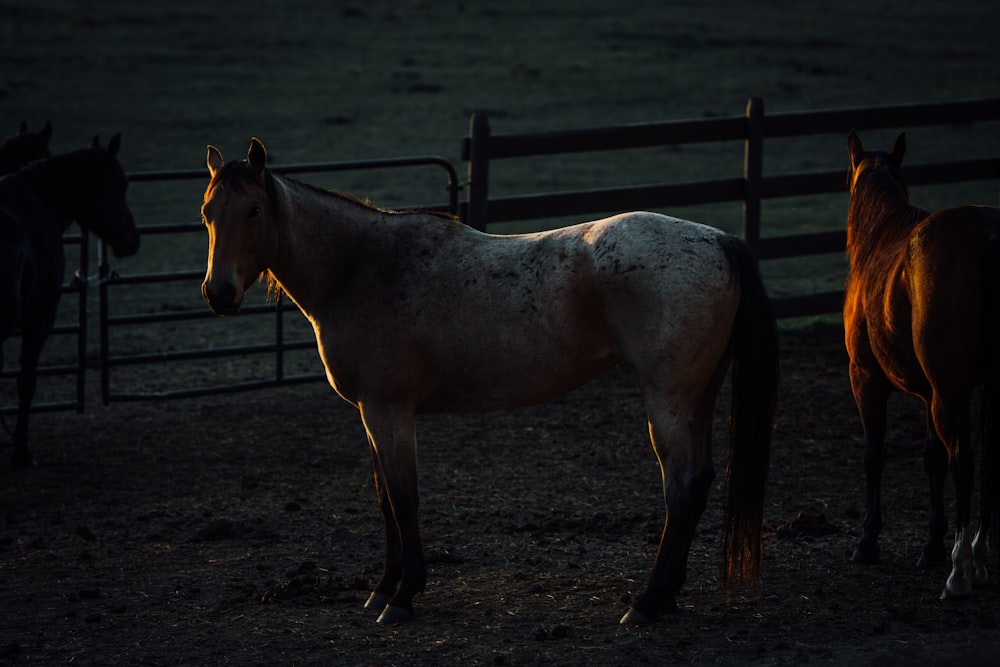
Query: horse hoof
22, 458
929, 559
865, 555
635, 617
947, 595
377, 601
393, 615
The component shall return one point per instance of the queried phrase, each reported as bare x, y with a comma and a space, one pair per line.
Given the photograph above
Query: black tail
990, 466
752, 414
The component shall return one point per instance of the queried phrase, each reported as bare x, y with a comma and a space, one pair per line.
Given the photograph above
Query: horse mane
35, 177
880, 212
367, 203
238, 174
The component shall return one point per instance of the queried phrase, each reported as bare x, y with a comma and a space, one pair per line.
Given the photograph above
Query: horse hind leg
981, 555
952, 422
936, 467
682, 443
871, 393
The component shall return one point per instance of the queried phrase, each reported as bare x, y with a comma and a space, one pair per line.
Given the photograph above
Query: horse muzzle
222, 297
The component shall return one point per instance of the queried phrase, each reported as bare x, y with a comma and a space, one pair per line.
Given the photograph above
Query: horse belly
513, 366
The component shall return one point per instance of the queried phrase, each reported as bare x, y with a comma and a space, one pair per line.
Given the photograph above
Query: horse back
949, 275
483, 321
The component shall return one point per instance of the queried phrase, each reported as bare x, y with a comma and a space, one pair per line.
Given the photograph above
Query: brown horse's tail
990, 467
754, 403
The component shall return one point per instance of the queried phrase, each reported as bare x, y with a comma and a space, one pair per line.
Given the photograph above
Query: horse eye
254, 212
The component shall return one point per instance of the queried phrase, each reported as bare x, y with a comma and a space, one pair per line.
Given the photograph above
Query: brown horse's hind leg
936, 466
871, 393
952, 420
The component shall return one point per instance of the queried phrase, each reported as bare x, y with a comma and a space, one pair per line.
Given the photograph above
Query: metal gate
127, 369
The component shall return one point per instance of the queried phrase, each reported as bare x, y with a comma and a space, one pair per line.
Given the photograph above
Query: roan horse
921, 316
37, 204
416, 312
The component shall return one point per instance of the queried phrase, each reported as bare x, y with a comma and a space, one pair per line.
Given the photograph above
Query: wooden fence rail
481, 147
753, 128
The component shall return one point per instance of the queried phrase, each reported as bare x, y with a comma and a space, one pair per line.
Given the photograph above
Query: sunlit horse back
415, 312
37, 205
921, 316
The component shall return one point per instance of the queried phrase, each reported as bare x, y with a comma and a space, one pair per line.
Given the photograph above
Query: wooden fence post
477, 184
753, 171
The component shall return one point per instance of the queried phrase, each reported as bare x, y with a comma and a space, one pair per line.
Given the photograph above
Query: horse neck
880, 215
60, 183
318, 232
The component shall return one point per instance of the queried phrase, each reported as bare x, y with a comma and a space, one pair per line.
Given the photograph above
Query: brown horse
921, 316
415, 312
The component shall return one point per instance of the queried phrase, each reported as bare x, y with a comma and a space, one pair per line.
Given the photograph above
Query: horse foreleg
32, 340
391, 433
684, 453
393, 570
936, 466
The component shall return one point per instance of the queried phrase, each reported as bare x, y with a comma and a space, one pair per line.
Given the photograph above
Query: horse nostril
220, 298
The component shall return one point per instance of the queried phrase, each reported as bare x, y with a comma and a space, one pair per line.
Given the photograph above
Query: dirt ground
150, 532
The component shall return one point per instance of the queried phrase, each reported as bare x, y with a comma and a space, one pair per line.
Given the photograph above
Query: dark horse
19, 149
415, 313
921, 316
37, 204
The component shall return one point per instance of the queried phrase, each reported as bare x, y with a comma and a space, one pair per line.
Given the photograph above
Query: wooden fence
481, 147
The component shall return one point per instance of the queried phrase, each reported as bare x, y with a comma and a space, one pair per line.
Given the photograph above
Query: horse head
863, 161
240, 215
24, 147
106, 213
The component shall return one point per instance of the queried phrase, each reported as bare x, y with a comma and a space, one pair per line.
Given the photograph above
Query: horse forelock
238, 177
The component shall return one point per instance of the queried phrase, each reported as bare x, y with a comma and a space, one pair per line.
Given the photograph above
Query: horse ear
114, 145
854, 147
214, 160
46, 134
899, 149
257, 156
